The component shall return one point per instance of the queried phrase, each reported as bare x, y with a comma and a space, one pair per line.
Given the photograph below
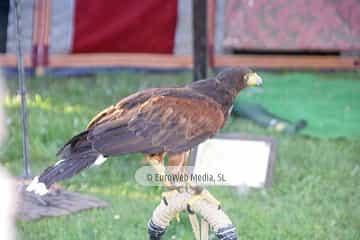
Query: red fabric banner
135, 26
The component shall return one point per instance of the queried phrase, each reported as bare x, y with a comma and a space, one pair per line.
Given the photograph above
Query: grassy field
315, 194
329, 102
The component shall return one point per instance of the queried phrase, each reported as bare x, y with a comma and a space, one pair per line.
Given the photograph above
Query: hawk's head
235, 79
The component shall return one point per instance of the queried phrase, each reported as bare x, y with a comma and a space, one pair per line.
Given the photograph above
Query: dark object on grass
266, 119
154, 122
57, 203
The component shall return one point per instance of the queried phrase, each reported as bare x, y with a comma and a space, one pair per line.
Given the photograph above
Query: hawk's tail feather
63, 169
75, 145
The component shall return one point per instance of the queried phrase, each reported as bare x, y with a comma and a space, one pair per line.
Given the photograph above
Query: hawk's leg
176, 164
157, 162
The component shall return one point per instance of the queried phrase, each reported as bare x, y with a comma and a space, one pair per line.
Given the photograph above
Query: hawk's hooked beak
253, 80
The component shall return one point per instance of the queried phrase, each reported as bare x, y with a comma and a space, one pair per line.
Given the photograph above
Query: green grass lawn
329, 102
315, 193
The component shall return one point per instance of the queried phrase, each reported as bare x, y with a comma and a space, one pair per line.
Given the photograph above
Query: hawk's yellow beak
252, 80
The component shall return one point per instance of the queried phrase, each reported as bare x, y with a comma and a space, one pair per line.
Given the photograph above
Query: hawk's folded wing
170, 121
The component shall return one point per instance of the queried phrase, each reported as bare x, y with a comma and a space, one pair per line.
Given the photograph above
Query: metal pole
22, 90
211, 24
200, 49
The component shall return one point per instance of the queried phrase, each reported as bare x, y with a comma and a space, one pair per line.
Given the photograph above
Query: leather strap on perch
210, 212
